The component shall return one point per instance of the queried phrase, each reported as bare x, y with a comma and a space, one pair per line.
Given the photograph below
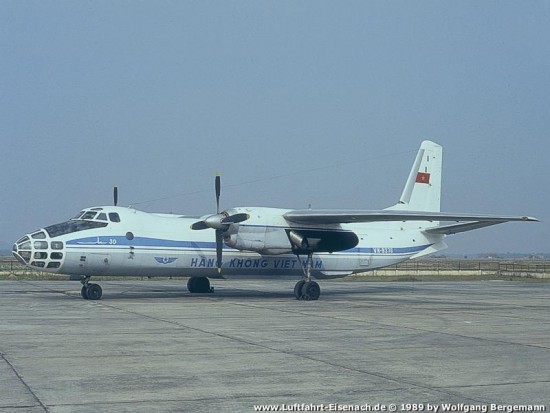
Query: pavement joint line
469, 386
12, 367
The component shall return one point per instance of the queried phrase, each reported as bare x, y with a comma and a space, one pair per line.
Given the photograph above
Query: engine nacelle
241, 243
264, 240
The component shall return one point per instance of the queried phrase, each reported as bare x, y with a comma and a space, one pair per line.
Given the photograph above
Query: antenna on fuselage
115, 195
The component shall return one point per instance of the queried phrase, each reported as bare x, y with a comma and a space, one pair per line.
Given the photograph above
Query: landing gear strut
306, 289
90, 291
199, 285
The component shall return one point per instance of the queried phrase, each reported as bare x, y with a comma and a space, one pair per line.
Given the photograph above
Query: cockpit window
72, 226
102, 217
41, 245
113, 216
39, 235
89, 215
78, 215
26, 245
56, 245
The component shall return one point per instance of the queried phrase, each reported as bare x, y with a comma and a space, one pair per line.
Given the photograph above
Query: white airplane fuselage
254, 242
162, 245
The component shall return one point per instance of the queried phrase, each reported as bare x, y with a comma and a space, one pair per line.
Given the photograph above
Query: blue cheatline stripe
144, 242
138, 242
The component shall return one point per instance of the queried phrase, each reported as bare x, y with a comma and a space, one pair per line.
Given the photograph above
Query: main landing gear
307, 289
90, 291
199, 285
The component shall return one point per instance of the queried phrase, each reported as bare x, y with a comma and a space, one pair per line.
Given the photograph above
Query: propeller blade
218, 186
219, 248
213, 221
235, 218
199, 225
115, 195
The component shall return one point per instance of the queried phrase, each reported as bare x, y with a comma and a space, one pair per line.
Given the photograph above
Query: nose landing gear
90, 291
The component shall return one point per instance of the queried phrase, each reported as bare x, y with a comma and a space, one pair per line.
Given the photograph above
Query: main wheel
94, 292
298, 289
191, 284
311, 291
198, 285
83, 292
202, 285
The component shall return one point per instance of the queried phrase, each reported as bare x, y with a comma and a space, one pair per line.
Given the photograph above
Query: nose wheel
306, 289
90, 291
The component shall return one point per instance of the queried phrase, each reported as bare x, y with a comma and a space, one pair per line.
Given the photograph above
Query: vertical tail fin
422, 191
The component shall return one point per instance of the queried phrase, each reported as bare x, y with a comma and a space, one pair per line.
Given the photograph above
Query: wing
308, 216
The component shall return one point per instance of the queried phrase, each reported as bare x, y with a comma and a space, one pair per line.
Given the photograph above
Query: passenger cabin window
113, 216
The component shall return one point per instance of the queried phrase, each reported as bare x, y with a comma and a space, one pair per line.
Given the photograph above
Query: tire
298, 289
202, 285
198, 285
94, 292
191, 284
311, 291
83, 292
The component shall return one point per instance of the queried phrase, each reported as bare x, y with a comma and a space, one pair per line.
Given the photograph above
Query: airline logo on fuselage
165, 260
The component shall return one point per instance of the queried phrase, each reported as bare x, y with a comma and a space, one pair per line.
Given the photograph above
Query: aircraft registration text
383, 250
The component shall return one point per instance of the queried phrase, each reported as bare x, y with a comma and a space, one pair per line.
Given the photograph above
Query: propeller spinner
220, 222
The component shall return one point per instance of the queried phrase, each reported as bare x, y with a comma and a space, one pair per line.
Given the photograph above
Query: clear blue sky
295, 102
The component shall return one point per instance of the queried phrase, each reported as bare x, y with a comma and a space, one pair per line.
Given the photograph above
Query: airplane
257, 242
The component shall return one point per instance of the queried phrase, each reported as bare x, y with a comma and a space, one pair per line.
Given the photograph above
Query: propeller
220, 222
115, 195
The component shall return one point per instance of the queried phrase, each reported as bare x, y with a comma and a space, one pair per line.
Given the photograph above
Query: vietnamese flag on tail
423, 178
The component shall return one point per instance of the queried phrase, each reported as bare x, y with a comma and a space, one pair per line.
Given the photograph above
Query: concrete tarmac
151, 346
